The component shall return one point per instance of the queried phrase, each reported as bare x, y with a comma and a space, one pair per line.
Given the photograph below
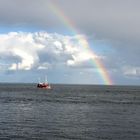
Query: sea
69, 112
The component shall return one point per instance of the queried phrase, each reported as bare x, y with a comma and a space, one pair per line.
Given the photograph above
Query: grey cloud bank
106, 19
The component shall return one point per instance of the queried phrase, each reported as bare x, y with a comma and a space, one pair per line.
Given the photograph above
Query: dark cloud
106, 19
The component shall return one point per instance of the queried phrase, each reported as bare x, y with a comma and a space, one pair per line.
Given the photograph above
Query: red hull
44, 85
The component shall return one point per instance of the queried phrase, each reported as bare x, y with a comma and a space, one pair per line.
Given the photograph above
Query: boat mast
39, 80
46, 81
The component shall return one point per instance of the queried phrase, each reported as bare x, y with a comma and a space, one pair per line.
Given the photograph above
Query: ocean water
69, 112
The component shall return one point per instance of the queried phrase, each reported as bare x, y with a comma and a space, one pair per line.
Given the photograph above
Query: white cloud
79, 58
14, 66
131, 71
40, 50
44, 66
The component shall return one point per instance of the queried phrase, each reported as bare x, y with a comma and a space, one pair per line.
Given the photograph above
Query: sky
70, 41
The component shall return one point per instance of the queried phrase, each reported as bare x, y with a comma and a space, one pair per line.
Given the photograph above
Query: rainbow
82, 41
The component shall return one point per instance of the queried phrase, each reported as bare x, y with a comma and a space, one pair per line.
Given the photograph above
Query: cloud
116, 20
18, 50
131, 71
41, 50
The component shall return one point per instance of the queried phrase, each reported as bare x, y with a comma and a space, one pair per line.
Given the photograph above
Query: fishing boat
45, 85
